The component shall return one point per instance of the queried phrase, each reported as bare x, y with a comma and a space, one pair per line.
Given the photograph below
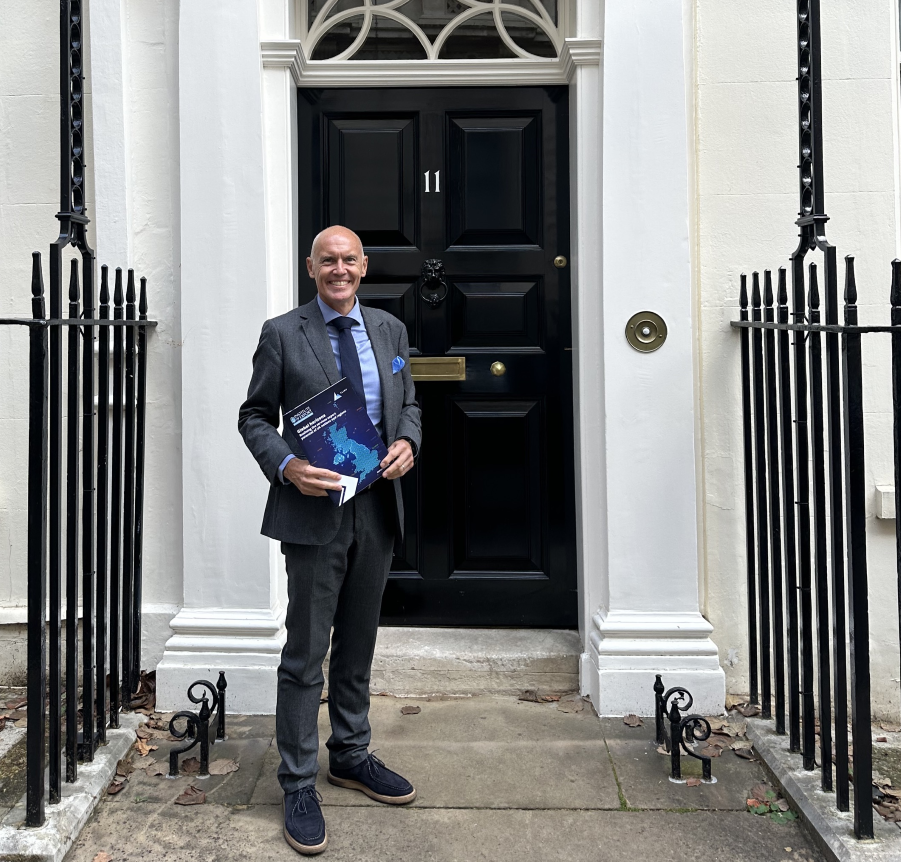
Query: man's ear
310, 268
365, 264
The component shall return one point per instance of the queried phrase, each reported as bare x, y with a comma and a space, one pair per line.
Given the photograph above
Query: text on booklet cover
335, 433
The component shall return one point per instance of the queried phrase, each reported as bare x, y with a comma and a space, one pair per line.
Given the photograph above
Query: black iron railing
85, 511
802, 405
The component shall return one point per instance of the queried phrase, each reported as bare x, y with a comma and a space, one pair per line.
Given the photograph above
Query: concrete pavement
498, 779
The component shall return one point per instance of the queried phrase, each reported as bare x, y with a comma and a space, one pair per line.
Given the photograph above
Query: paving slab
218, 834
643, 773
498, 779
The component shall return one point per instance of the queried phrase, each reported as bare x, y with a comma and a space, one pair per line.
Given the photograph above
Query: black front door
477, 179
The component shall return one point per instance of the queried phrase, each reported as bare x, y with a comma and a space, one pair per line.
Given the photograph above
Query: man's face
337, 265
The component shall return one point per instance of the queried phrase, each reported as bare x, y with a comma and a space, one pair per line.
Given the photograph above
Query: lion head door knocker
433, 287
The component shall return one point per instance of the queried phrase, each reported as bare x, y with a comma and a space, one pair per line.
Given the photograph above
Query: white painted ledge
288, 53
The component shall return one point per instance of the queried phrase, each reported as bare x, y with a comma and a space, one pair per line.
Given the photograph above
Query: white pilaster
639, 532
232, 619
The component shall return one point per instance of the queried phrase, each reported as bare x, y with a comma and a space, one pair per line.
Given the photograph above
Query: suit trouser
335, 587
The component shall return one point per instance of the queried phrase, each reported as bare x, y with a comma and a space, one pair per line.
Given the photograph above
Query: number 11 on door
437, 181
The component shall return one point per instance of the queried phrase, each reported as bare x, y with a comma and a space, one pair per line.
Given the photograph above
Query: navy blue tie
347, 351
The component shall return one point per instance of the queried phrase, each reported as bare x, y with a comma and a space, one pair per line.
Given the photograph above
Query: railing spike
743, 292
142, 304
118, 297
896, 283
130, 289
104, 285
73, 281
813, 296
782, 290
37, 286
767, 288
850, 281
755, 289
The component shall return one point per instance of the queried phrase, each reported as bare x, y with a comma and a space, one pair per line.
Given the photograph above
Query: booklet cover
335, 433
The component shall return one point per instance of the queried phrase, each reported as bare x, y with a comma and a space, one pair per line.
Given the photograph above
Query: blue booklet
335, 433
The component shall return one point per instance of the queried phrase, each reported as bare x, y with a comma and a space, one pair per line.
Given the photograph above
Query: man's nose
340, 267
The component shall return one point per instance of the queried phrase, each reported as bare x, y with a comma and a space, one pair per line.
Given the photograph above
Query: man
337, 558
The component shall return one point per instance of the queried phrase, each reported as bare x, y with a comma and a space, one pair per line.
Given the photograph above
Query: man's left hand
399, 460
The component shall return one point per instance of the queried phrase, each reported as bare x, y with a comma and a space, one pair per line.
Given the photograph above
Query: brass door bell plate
646, 331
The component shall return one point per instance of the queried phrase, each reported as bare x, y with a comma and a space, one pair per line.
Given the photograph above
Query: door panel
476, 178
493, 168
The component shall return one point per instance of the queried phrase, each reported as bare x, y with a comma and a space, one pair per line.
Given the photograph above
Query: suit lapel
380, 339
313, 327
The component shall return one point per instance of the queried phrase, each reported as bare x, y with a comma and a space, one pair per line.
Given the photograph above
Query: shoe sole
305, 849
378, 797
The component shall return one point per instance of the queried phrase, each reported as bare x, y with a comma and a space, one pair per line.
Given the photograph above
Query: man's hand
310, 480
398, 461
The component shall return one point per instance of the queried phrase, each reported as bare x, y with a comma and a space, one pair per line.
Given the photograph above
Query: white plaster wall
146, 130
29, 201
747, 203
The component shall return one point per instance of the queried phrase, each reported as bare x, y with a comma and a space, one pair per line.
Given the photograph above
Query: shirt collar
329, 313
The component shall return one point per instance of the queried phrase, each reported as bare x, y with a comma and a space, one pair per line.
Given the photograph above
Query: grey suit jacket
294, 362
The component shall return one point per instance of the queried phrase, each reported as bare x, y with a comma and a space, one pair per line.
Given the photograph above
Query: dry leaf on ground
158, 767
889, 726
744, 754
190, 766
144, 748
115, 787
742, 745
892, 813
192, 796
733, 700
711, 751
749, 709
717, 723
531, 695
571, 703
759, 791
223, 767
18, 703
880, 739
632, 721
410, 710
123, 767
881, 781
692, 782
102, 857
22, 722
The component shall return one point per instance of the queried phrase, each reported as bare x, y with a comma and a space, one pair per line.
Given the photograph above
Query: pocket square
397, 364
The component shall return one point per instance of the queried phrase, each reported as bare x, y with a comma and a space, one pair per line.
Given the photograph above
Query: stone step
417, 662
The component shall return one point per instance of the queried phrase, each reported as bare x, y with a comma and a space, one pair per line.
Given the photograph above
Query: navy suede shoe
304, 823
374, 779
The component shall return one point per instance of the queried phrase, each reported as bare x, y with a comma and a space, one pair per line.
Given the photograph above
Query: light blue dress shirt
372, 383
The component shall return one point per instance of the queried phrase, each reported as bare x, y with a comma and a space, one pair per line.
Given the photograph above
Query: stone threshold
830, 829
422, 662
64, 821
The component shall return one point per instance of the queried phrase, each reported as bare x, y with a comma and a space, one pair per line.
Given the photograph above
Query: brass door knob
498, 369
560, 261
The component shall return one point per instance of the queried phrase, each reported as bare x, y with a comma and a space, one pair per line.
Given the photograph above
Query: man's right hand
310, 480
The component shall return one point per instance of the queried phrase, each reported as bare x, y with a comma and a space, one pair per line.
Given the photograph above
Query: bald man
337, 558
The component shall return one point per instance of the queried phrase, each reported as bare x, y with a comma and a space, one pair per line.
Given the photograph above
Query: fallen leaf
692, 782
223, 767
711, 751
881, 739
782, 804
190, 766
749, 709
741, 745
892, 813
410, 710
22, 722
143, 733
529, 696
115, 787
192, 796
744, 754
759, 791
881, 780
737, 727
632, 721
733, 700
17, 704
890, 727
123, 767
144, 748
102, 857
572, 703
158, 767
